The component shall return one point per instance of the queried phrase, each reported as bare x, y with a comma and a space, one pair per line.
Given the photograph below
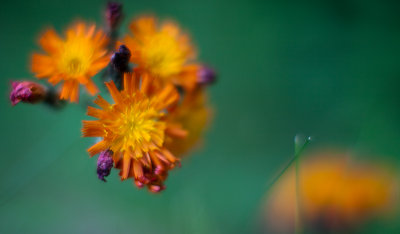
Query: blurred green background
328, 69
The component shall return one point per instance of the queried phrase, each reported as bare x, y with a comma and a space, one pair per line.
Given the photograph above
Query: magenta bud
206, 75
27, 91
104, 164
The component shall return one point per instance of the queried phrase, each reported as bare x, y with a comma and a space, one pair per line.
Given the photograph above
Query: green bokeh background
328, 69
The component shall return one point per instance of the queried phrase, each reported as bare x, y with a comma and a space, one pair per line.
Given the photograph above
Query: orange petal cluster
194, 114
163, 52
135, 129
73, 60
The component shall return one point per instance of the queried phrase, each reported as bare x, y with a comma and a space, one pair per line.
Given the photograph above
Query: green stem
298, 226
296, 155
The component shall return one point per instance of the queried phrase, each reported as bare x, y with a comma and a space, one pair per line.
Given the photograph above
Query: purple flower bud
104, 164
27, 91
113, 14
120, 59
206, 75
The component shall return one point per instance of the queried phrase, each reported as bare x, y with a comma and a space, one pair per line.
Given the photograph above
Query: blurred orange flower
194, 114
74, 60
163, 52
334, 194
135, 129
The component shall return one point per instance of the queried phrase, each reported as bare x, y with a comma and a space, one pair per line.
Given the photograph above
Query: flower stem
298, 152
298, 148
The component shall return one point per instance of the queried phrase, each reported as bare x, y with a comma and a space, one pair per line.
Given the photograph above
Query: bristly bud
27, 91
120, 59
113, 14
104, 164
119, 64
206, 75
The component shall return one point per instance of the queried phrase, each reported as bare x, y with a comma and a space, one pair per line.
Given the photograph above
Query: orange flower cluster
159, 107
72, 61
163, 52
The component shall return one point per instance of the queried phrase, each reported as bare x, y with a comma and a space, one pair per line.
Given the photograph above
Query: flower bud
113, 14
119, 65
206, 75
120, 59
104, 164
27, 91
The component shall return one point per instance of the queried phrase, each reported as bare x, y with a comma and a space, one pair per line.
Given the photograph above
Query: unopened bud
104, 164
120, 59
206, 75
113, 14
27, 91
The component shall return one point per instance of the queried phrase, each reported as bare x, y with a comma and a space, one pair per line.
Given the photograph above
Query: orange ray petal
97, 148
101, 102
94, 112
91, 87
128, 84
143, 27
171, 28
92, 128
176, 131
115, 94
169, 155
50, 41
137, 169
42, 65
146, 81
74, 94
66, 89
126, 165
55, 79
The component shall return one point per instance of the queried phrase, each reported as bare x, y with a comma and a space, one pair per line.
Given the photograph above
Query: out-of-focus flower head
163, 52
27, 91
104, 164
73, 60
194, 114
334, 194
135, 129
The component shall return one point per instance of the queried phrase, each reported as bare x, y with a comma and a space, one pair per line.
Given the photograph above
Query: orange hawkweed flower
334, 195
194, 114
74, 60
163, 52
135, 129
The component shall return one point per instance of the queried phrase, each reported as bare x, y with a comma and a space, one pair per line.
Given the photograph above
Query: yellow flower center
163, 55
138, 128
75, 66
76, 57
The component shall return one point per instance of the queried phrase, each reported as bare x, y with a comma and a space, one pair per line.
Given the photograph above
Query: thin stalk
298, 148
296, 155
298, 226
